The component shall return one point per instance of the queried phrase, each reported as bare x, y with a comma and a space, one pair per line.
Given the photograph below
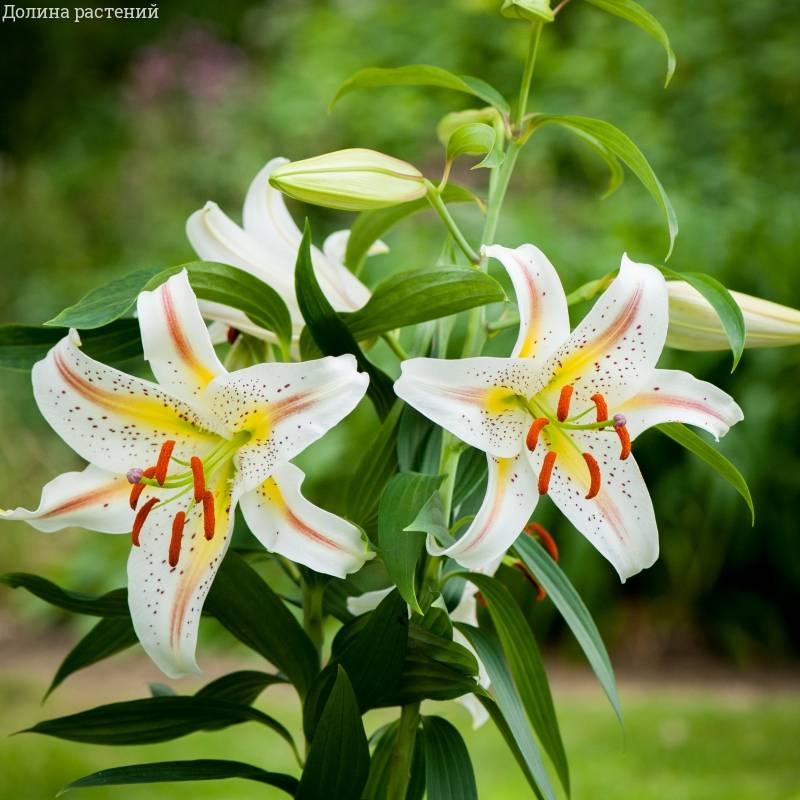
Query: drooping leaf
328, 331
205, 769
408, 298
622, 147
110, 604
448, 769
108, 637
728, 310
403, 497
431, 520
338, 760
413, 432
641, 17
239, 687
21, 346
569, 604
702, 449
476, 138
472, 471
422, 75
245, 604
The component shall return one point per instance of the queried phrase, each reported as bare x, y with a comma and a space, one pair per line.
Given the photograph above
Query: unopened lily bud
533, 10
351, 180
694, 325
450, 123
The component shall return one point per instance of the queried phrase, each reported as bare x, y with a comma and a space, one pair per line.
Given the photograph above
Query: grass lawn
700, 742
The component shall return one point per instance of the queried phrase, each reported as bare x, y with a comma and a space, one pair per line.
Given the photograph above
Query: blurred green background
113, 132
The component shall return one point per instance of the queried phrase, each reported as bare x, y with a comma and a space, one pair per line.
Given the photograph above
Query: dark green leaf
728, 310
111, 604
338, 760
476, 138
472, 470
161, 690
108, 637
239, 687
330, 334
413, 432
404, 496
431, 519
702, 449
442, 649
448, 769
243, 602
205, 769
422, 75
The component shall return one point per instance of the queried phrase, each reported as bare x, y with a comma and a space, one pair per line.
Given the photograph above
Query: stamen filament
175, 539
546, 472
138, 522
594, 475
162, 465
198, 478
562, 412
209, 522
533, 432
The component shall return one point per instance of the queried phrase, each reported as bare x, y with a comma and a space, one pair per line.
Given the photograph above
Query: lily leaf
476, 138
421, 75
111, 604
448, 769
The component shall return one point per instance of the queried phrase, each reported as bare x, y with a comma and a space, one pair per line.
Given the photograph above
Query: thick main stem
403, 753
527, 73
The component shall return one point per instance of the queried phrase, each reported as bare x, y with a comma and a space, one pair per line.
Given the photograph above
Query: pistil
138, 488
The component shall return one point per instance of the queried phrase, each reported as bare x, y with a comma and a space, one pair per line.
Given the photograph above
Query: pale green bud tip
694, 325
532, 10
351, 180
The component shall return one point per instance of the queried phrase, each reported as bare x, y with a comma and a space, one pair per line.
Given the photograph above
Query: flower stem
527, 73
435, 199
403, 753
394, 345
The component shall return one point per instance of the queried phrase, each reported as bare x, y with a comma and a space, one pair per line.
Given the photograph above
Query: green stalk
435, 199
403, 753
527, 73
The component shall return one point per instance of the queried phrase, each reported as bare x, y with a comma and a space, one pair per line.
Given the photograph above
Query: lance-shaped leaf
695, 444
239, 687
421, 75
329, 333
620, 146
403, 497
476, 138
21, 346
569, 604
111, 604
205, 769
338, 760
728, 310
408, 298
641, 17
448, 769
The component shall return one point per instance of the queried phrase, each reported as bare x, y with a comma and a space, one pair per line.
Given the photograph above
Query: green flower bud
451, 122
351, 180
531, 10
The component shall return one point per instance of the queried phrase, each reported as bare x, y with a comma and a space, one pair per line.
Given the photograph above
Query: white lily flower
530, 412
193, 445
266, 247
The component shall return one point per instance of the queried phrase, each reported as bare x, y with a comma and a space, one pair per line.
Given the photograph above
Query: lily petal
165, 602
543, 313
509, 502
229, 317
286, 523
615, 347
284, 407
93, 499
472, 398
175, 339
619, 521
676, 396
111, 419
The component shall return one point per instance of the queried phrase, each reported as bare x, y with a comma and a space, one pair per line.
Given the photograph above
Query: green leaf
218, 283
442, 650
21, 346
244, 603
728, 310
448, 769
338, 760
620, 146
205, 769
161, 690
695, 444
239, 687
408, 298
424, 678
472, 470
431, 519
476, 138
525, 662
403, 497
111, 604
108, 637
509, 714
573, 610
369, 226
421, 75
641, 17
330, 334
154, 719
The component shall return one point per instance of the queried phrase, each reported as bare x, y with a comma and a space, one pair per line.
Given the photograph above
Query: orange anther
138, 488
199, 478
562, 412
602, 408
208, 515
141, 516
545, 537
546, 472
534, 431
175, 539
540, 593
625, 440
162, 465
594, 475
